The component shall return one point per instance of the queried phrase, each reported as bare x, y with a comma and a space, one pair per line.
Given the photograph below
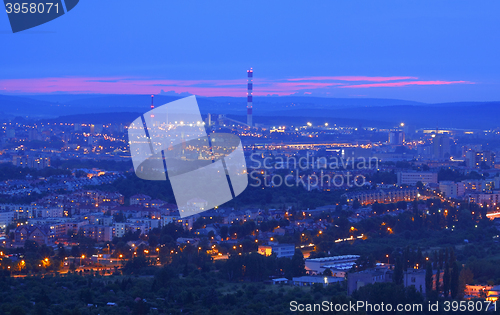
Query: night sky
429, 51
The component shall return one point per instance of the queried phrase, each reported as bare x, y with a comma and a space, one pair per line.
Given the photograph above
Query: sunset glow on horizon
324, 85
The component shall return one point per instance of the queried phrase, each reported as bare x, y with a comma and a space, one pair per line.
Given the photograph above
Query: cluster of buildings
35, 144
30, 161
95, 214
390, 195
340, 266
30, 185
488, 292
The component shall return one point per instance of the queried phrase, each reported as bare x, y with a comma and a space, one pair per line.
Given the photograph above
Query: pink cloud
235, 88
113, 85
405, 83
353, 78
119, 85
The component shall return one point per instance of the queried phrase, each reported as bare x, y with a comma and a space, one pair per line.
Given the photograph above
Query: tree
17, 310
87, 296
164, 275
455, 280
356, 204
428, 279
401, 205
466, 277
446, 280
61, 252
327, 272
80, 174
297, 264
438, 281
75, 251
224, 231
398, 276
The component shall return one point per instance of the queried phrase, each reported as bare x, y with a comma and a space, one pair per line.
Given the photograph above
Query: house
206, 230
280, 281
73, 226
493, 294
311, 280
139, 199
135, 244
416, 278
119, 229
370, 276
337, 264
280, 250
411, 277
99, 233
41, 234
155, 203
185, 240
477, 291
6, 217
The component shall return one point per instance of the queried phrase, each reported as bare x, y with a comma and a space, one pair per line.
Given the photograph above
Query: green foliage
446, 174
388, 293
397, 278
9, 172
383, 178
109, 165
428, 279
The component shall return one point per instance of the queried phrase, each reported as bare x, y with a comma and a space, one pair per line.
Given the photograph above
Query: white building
452, 189
339, 265
54, 212
6, 217
412, 178
119, 229
169, 219
311, 280
280, 250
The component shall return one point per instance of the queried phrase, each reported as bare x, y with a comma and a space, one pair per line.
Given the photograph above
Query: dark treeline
9, 172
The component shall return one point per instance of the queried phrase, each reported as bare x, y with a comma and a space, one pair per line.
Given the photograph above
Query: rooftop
333, 258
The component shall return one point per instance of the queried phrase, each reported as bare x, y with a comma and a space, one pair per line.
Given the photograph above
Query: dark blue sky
431, 51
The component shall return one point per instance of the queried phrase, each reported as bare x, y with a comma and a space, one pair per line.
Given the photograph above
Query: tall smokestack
249, 97
152, 106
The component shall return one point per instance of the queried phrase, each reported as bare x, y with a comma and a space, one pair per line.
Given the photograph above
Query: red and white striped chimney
249, 97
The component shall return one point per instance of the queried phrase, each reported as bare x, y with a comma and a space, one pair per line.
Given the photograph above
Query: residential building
99, 233
42, 234
280, 250
337, 264
311, 280
452, 189
412, 178
6, 218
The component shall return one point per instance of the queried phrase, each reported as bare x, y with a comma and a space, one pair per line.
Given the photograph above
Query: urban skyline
334, 154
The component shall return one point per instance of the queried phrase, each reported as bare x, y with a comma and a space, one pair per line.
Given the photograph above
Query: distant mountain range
354, 111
